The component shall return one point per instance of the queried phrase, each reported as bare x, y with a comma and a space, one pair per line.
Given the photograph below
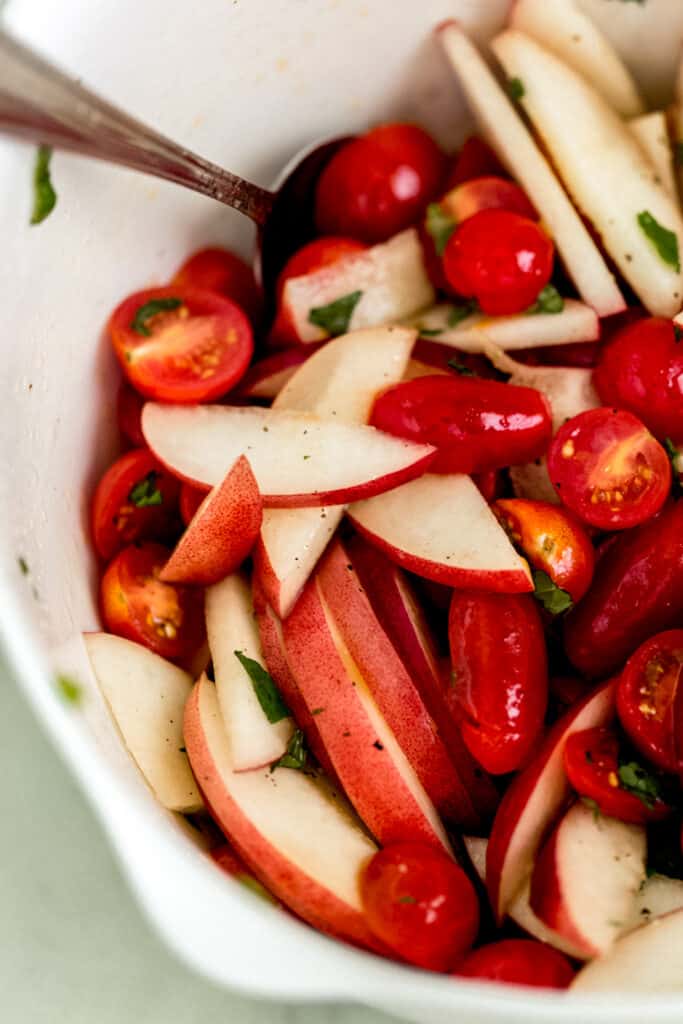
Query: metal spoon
42, 104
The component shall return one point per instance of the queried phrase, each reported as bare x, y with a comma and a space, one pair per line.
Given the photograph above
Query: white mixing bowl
245, 83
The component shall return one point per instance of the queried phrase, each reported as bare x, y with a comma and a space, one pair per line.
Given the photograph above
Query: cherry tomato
165, 617
420, 904
181, 345
500, 259
552, 540
607, 468
499, 683
129, 415
489, 483
191, 498
565, 691
487, 193
518, 962
477, 425
642, 370
474, 160
648, 701
379, 184
581, 354
591, 761
637, 590
136, 499
219, 270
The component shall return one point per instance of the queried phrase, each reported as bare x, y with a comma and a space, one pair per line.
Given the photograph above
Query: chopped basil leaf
267, 693
593, 805
44, 195
406, 899
515, 88
69, 689
676, 457
440, 225
150, 309
637, 780
664, 241
335, 317
296, 755
460, 313
23, 565
678, 333
429, 332
460, 368
678, 153
553, 598
549, 301
146, 493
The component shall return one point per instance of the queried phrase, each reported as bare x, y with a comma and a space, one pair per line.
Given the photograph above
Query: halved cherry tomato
642, 370
420, 904
181, 345
500, 259
518, 962
474, 160
608, 468
219, 270
476, 424
552, 540
649, 701
191, 498
378, 184
637, 590
129, 415
499, 676
136, 499
165, 617
486, 193
592, 764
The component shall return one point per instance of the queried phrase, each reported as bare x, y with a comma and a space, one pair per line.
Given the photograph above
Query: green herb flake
676, 456
267, 693
150, 309
461, 369
664, 241
593, 806
145, 493
23, 565
317, 711
430, 332
549, 301
678, 333
553, 598
515, 89
69, 689
44, 195
296, 756
335, 318
253, 884
639, 782
460, 313
439, 225
406, 899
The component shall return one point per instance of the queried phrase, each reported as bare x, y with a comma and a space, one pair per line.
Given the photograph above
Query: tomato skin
487, 193
552, 540
165, 617
518, 962
641, 370
477, 425
637, 591
500, 683
193, 354
649, 701
499, 258
219, 270
378, 184
420, 904
591, 761
129, 415
474, 160
191, 498
116, 520
608, 469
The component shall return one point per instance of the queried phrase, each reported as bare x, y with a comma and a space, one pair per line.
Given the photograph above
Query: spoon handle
40, 103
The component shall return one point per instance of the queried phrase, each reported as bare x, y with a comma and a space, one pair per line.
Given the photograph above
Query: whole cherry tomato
649, 701
499, 258
191, 498
136, 499
608, 468
420, 904
487, 193
474, 160
580, 354
552, 540
129, 415
499, 680
641, 370
477, 425
489, 483
181, 345
518, 962
625, 790
379, 184
165, 617
637, 590
219, 270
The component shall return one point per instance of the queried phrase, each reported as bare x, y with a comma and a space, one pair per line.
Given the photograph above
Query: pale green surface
74, 948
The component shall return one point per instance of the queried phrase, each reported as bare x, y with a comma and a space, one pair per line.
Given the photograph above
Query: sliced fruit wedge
297, 835
506, 132
259, 729
441, 527
646, 960
604, 169
297, 459
146, 696
652, 134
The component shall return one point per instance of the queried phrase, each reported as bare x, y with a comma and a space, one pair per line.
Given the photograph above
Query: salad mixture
392, 576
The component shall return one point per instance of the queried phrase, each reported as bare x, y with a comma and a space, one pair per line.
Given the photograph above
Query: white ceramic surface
245, 82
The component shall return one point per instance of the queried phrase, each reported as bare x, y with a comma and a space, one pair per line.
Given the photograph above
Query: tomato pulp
649, 699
